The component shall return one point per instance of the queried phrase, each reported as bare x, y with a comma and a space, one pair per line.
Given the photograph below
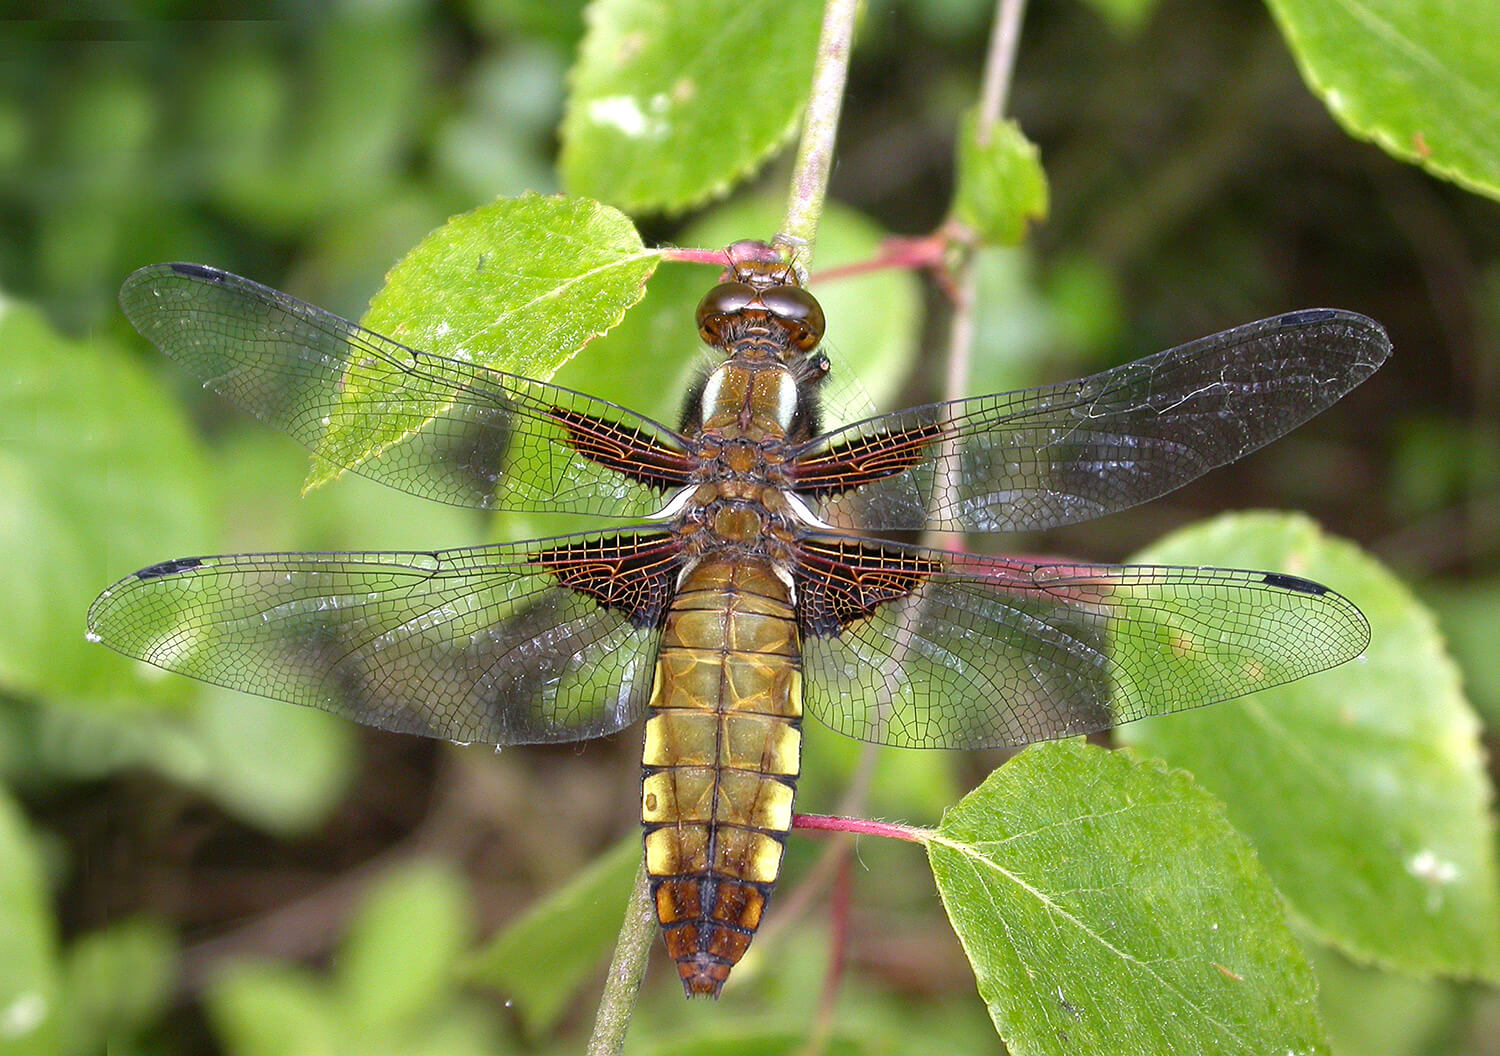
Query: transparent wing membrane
454, 432
1040, 458
988, 652
556, 639
478, 644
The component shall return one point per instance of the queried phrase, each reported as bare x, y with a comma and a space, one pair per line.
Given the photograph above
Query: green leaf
674, 102
540, 960
398, 958
273, 1010
1002, 188
1125, 16
1108, 906
28, 969
1415, 77
519, 285
99, 474
1374, 1013
649, 360
281, 768
1364, 787
116, 981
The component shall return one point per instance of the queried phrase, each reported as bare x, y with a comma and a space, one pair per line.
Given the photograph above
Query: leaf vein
975, 860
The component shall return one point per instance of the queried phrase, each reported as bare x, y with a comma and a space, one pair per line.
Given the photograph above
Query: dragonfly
739, 578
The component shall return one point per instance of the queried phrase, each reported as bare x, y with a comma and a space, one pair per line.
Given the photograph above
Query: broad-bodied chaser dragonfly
742, 590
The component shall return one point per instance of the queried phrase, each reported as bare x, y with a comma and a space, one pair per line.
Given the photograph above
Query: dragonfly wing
444, 429
545, 641
1044, 457
920, 648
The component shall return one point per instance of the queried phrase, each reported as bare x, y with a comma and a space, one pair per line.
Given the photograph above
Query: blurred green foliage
390, 993
184, 870
1002, 188
331, 135
1389, 855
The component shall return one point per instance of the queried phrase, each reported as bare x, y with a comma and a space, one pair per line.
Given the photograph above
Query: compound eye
725, 299
798, 309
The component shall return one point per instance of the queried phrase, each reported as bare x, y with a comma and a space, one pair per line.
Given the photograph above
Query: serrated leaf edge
1338, 103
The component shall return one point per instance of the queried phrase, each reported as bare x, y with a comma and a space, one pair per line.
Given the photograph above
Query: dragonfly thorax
738, 522
768, 328
752, 399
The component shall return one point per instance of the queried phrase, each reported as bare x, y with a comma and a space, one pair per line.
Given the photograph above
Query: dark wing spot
198, 271
839, 582
625, 449
1300, 585
864, 459
168, 568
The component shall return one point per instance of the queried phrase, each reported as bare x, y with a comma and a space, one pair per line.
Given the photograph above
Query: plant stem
694, 256
862, 827
838, 957
999, 66
819, 130
626, 968
923, 252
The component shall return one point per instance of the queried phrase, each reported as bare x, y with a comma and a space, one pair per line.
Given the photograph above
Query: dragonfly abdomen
723, 750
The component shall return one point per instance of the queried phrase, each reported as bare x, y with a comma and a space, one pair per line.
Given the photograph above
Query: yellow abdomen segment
723, 750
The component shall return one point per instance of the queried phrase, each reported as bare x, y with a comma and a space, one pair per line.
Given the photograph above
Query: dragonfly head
732, 306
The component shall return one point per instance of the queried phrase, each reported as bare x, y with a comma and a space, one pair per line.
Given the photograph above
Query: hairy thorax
740, 503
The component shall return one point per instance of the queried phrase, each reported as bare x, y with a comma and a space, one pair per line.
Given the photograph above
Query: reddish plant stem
819, 129
695, 256
840, 903
913, 253
862, 827
838, 957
